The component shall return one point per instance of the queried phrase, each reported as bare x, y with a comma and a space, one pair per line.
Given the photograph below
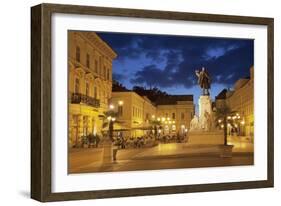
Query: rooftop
173, 99
222, 94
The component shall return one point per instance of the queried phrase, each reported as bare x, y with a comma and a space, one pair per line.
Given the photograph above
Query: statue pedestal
205, 104
205, 138
205, 113
107, 151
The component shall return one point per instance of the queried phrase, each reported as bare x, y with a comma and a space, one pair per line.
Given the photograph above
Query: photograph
157, 101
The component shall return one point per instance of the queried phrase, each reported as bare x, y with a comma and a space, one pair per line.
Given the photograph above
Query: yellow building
177, 111
241, 100
89, 83
136, 113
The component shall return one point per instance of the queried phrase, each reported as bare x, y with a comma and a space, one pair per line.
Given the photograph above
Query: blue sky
169, 62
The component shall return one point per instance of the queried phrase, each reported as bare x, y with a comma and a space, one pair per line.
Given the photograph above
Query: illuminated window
85, 125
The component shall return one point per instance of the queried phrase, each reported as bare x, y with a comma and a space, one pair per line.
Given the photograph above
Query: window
96, 66
147, 116
104, 72
77, 85
174, 115
78, 53
108, 74
182, 115
75, 120
87, 89
120, 110
100, 68
85, 126
88, 60
95, 93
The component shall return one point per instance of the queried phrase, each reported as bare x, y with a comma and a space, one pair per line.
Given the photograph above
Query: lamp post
229, 121
108, 155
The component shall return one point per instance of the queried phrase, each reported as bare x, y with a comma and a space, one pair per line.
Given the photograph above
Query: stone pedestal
107, 151
205, 104
205, 113
226, 150
205, 138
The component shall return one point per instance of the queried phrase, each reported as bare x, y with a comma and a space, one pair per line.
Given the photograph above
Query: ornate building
241, 100
89, 83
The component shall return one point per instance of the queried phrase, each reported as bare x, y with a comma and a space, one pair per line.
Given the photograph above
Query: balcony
77, 98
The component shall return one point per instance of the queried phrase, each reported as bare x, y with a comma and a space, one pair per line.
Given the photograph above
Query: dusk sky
169, 62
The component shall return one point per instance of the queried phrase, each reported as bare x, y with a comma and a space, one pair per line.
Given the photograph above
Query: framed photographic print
130, 102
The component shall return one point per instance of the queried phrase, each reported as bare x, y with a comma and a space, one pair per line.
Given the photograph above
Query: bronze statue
204, 81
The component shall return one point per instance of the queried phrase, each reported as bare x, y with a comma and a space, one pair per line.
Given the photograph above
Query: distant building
241, 100
89, 83
179, 110
174, 112
134, 113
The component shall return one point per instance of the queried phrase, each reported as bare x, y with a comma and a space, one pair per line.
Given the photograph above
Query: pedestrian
115, 148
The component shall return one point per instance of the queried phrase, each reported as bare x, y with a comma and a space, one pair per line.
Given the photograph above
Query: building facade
89, 83
134, 112
241, 100
177, 114
137, 113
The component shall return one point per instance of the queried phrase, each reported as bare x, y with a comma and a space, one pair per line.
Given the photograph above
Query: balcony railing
77, 98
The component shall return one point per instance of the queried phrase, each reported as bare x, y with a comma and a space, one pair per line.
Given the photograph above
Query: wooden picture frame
41, 96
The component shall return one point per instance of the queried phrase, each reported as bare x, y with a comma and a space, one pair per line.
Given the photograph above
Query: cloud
169, 61
117, 76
